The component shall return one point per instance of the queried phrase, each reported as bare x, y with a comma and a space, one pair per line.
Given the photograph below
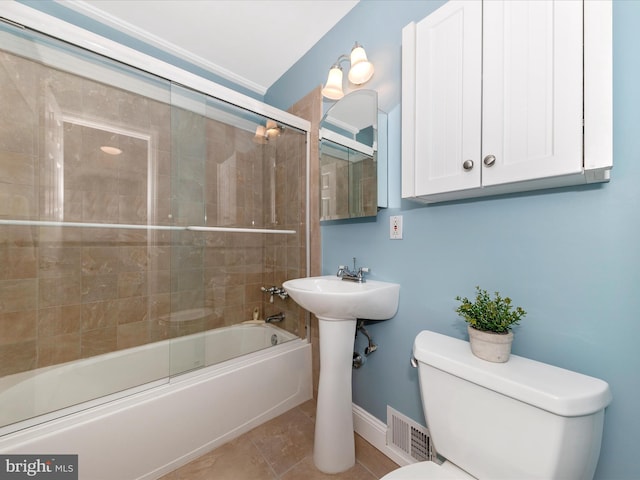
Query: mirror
349, 158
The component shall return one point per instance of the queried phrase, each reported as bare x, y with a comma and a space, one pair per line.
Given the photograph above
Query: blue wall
570, 257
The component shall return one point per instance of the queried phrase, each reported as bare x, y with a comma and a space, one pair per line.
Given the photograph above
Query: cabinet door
532, 89
448, 97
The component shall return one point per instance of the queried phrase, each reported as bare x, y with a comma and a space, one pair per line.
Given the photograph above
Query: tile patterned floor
280, 449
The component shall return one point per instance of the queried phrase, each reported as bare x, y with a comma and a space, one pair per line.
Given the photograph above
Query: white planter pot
493, 347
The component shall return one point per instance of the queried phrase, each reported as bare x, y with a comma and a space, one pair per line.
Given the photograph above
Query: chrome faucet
271, 291
352, 275
278, 317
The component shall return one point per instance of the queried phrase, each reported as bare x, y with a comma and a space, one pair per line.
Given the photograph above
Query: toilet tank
520, 419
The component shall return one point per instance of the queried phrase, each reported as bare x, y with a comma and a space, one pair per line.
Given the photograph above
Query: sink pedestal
334, 446
337, 305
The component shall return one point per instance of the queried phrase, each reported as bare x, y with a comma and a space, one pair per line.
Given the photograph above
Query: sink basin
338, 304
332, 298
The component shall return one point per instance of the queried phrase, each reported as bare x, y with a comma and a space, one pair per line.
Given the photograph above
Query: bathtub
233, 383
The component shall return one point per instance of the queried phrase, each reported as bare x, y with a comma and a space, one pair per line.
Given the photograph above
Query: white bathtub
167, 422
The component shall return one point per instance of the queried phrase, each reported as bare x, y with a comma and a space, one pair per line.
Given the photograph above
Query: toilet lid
428, 471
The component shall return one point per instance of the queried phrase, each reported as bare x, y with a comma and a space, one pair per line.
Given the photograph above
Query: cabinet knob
467, 165
489, 160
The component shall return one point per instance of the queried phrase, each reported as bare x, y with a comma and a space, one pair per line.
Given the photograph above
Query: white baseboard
374, 431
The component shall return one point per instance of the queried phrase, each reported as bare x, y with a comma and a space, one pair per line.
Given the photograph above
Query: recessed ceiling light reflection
111, 150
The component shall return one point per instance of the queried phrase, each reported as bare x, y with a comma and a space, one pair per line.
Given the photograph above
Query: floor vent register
407, 438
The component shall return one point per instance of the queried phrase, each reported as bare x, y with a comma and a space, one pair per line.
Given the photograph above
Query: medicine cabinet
352, 166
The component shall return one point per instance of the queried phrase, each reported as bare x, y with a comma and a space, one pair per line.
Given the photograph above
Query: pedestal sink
338, 304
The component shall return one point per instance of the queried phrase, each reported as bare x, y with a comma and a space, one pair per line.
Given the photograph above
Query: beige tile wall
69, 293
310, 108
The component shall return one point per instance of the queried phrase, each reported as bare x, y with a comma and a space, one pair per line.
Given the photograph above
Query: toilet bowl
520, 419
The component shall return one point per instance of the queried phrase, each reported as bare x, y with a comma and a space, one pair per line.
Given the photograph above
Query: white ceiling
250, 42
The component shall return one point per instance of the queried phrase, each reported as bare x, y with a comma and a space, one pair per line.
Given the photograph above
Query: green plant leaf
491, 315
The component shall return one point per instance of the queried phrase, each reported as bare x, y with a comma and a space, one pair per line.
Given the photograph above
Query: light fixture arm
342, 58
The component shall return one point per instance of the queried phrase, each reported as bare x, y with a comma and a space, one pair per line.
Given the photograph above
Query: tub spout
278, 317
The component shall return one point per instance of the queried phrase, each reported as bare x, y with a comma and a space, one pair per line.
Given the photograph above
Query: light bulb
361, 69
333, 87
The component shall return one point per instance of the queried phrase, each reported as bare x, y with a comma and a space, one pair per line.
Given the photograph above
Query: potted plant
489, 324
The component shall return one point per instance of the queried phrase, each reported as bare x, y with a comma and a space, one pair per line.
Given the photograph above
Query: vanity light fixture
268, 131
360, 72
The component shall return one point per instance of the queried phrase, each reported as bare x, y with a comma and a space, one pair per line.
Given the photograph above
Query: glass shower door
80, 142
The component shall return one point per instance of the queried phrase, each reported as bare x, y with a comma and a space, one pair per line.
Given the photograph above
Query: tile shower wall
309, 107
69, 293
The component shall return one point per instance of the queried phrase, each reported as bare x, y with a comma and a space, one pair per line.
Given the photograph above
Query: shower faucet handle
273, 290
283, 294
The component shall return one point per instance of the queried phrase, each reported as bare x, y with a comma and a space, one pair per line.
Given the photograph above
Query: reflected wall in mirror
349, 158
347, 182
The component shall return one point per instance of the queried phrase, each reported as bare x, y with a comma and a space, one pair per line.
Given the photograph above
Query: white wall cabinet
497, 97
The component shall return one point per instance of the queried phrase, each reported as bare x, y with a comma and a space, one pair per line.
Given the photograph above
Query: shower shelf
44, 223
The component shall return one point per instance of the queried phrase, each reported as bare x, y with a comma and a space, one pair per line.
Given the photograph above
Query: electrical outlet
395, 227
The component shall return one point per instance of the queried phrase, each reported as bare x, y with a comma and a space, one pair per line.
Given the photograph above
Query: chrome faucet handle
273, 290
361, 272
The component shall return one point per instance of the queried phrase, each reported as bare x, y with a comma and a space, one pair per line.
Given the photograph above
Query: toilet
516, 420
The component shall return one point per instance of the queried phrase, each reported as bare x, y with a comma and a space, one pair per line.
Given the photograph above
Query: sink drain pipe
358, 360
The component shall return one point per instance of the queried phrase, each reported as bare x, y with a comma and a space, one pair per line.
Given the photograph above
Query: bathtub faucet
281, 292
278, 317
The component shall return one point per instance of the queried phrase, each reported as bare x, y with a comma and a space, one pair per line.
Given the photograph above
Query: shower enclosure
135, 210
